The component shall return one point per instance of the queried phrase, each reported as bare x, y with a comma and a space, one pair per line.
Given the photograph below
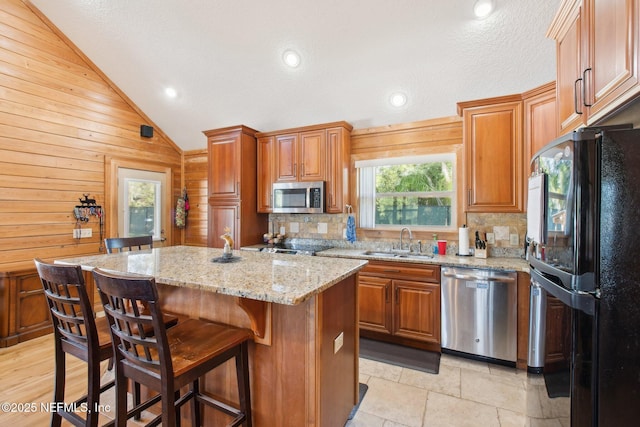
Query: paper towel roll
463, 241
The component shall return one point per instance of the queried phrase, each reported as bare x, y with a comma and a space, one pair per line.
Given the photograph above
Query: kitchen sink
387, 254
379, 253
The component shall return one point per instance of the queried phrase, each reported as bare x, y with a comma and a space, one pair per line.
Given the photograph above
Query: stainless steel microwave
298, 197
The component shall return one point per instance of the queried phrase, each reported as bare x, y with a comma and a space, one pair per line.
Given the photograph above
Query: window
140, 203
415, 191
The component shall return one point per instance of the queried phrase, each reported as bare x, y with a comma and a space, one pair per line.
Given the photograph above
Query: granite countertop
282, 279
494, 263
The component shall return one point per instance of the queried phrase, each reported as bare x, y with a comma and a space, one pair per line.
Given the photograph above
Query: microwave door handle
308, 193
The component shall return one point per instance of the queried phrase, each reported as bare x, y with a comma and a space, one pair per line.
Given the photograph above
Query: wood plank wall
59, 117
196, 182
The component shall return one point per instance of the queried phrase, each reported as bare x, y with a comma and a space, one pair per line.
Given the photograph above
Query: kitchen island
303, 311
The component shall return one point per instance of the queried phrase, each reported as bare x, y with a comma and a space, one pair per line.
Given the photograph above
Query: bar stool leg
93, 394
242, 373
58, 390
195, 405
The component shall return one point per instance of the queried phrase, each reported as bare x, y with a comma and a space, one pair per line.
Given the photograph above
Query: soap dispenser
435, 244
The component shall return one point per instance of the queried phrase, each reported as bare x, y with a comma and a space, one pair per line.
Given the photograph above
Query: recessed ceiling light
291, 58
483, 8
398, 99
170, 92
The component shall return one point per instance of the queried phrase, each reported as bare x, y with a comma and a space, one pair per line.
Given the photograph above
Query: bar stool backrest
139, 338
73, 320
129, 243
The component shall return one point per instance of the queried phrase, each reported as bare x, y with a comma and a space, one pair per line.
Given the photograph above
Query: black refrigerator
584, 249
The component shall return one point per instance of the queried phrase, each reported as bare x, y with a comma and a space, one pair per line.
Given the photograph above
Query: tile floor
464, 393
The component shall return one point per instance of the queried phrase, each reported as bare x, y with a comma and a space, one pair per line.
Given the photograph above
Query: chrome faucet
410, 237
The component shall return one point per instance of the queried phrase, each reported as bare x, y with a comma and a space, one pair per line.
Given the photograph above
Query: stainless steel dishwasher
479, 314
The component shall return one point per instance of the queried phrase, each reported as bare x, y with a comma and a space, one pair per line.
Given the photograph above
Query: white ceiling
224, 58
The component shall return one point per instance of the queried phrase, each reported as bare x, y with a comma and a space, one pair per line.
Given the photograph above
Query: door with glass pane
141, 203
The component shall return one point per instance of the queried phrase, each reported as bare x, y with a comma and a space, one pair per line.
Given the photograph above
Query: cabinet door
416, 309
558, 335
224, 166
286, 157
312, 159
493, 142
612, 29
374, 303
569, 71
220, 217
337, 186
265, 173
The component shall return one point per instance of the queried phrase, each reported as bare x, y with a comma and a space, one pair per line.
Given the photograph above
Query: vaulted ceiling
224, 58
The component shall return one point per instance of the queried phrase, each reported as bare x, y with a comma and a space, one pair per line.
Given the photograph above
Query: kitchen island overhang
303, 311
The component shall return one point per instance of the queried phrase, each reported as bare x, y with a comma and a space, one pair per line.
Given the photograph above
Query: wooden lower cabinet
417, 310
558, 335
24, 313
400, 302
375, 303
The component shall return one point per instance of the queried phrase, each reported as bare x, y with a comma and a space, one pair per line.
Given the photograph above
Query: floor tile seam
471, 401
519, 383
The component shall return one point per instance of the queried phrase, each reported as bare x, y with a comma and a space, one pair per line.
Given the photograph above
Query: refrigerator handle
577, 300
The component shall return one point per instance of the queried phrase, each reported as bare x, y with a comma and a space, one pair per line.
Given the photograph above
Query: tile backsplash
508, 230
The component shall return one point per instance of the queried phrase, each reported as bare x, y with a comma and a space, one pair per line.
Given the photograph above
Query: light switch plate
80, 233
491, 238
514, 240
283, 230
322, 228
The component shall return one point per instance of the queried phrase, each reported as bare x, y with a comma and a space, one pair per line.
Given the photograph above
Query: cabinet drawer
401, 270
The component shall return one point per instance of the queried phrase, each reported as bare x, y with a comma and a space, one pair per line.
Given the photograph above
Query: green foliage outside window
415, 194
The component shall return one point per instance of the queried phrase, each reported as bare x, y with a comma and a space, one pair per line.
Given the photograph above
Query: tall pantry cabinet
232, 187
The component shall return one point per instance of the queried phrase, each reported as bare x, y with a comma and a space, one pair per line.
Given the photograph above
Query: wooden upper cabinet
312, 155
492, 130
569, 69
611, 74
232, 158
286, 158
301, 156
338, 157
540, 125
597, 59
306, 154
224, 173
266, 147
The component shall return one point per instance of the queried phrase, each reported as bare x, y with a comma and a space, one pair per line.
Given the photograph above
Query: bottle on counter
435, 244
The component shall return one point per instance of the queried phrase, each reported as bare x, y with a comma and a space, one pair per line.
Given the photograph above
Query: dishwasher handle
469, 277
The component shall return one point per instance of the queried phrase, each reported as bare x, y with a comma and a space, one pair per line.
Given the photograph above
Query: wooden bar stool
120, 244
79, 333
129, 243
172, 358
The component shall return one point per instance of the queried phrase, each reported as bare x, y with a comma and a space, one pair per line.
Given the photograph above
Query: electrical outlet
491, 238
81, 233
514, 239
338, 342
283, 231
